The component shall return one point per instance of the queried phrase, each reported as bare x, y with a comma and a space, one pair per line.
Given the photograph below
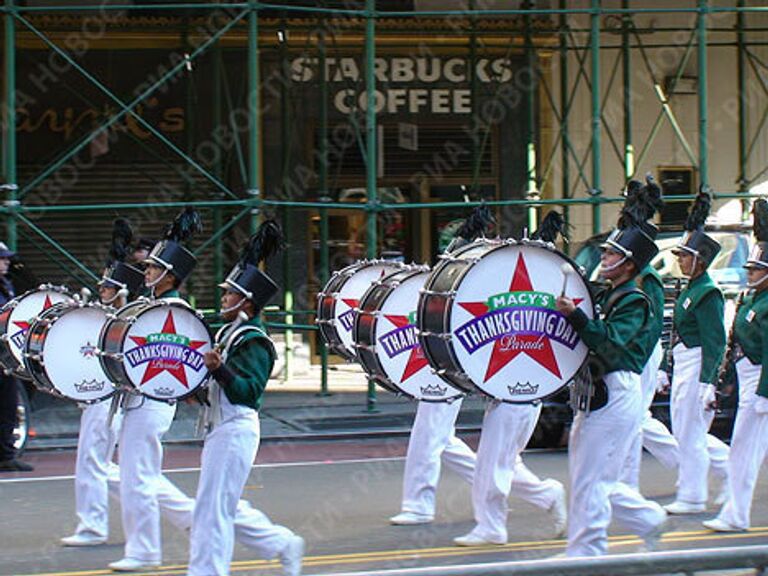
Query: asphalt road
338, 495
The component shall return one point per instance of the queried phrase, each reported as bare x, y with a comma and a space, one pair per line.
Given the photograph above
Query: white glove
662, 382
707, 395
761, 405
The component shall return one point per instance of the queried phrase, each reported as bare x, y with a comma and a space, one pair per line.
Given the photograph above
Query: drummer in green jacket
605, 427
697, 352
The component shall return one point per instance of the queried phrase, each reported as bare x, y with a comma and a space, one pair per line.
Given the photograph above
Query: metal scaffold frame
246, 17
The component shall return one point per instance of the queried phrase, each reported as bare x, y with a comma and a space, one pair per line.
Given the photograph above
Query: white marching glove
761, 404
662, 382
707, 395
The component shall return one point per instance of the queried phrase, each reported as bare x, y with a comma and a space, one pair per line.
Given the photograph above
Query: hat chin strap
758, 283
613, 266
693, 264
235, 307
157, 280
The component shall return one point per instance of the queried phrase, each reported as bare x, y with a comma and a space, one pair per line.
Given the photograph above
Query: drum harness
589, 392
231, 335
733, 353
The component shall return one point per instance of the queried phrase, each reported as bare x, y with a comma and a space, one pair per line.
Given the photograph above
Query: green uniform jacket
620, 340
650, 282
250, 359
173, 293
750, 332
699, 322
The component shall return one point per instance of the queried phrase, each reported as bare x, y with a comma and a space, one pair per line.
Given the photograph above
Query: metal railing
674, 562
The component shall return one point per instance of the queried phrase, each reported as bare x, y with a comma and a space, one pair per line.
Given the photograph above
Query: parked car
726, 270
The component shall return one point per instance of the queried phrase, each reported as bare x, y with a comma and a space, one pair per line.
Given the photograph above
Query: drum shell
33, 348
7, 359
112, 338
365, 328
325, 309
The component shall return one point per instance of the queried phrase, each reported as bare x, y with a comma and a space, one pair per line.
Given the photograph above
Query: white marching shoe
133, 565
473, 539
411, 519
653, 538
721, 526
559, 513
679, 507
83, 539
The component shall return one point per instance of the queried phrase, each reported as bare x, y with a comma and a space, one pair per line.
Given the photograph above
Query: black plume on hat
477, 223
760, 214
700, 210
641, 202
184, 226
551, 227
267, 241
122, 236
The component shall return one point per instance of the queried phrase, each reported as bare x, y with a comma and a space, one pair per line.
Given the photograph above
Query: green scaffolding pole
372, 156
531, 188
324, 197
9, 134
218, 171
565, 141
742, 82
629, 148
254, 108
285, 153
703, 116
596, 156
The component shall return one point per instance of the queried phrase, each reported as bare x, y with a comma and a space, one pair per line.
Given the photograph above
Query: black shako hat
635, 235
169, 252
695, 241
246, 277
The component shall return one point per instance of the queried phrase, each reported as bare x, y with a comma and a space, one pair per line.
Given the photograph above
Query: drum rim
149, 304
457, 282
408, 272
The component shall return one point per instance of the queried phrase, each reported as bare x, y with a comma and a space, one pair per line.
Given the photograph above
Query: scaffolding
229, 185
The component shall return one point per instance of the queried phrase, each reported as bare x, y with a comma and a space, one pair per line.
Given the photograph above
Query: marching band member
699, 327
240, 366
600, 440
432, 440
145, 421
507, 429
749, 441
433, 434
95, 472
644, 201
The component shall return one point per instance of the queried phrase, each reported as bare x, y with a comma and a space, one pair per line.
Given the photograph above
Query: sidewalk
292, 410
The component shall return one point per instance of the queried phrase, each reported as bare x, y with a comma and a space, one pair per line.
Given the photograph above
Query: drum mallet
567, 270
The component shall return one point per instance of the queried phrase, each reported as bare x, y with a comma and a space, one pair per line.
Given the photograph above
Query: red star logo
417, 360
174, 367
501, 355
25, 325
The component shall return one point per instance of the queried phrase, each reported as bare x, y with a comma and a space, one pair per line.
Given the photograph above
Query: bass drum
156, 348
17, 316
386, 338
488, 322
341, 296
61, 352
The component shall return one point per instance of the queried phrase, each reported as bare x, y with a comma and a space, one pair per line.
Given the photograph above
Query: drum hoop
458, 280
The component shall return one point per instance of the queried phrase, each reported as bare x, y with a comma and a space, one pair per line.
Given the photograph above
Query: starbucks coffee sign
405, 84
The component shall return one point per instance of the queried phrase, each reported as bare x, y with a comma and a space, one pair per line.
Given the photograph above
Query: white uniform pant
598, 448
507, 428
631, 472
433, 439
748, 447
228, 455
94, 470
690, 424
141, 459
